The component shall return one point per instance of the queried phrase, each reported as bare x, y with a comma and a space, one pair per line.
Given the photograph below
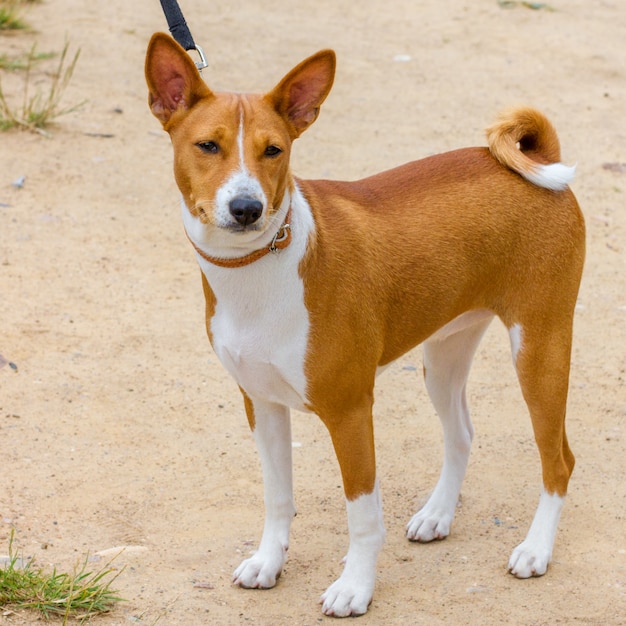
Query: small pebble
203, 585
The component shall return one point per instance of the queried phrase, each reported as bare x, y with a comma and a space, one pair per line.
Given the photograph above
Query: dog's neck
281, 240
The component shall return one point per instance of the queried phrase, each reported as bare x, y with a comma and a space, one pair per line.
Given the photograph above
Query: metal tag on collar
281, 235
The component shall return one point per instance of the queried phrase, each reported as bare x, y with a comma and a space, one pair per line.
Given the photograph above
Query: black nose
245, 210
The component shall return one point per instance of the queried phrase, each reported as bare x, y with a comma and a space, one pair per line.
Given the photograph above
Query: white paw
429, 524
529, 560
260, 571
347, 596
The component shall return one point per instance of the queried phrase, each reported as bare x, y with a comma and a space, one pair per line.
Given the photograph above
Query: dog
313, 287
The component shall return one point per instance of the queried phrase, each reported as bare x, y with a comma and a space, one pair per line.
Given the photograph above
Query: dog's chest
260, 331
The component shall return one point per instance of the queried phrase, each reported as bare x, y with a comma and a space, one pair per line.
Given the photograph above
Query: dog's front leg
353, 440
271, 426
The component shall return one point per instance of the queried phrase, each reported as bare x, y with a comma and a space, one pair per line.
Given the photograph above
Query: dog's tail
523, 140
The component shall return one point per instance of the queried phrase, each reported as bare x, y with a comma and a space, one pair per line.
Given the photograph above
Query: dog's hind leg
271, 426
448, 356
542, 365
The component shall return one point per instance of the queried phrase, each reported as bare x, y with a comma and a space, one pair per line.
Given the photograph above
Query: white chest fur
260, 326
260, 331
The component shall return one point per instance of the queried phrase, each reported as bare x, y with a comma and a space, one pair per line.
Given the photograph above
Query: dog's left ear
300, 93
173, 79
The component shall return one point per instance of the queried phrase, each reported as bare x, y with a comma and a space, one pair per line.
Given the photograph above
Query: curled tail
523, 140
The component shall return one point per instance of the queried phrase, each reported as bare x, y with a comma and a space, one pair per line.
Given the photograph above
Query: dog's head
231, 151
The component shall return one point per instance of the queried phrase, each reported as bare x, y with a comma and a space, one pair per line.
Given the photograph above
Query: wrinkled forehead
227, 116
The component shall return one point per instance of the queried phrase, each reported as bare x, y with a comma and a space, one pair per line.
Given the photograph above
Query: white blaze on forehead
239, 184
242, 163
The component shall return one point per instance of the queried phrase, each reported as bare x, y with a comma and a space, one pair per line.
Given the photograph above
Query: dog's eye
210, 147
272, 151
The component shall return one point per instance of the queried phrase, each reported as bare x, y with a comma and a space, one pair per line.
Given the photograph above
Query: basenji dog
313, 287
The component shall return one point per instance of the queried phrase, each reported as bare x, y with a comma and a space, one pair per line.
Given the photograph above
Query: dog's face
231, 151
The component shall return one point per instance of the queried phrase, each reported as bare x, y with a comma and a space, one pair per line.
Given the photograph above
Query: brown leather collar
281, 240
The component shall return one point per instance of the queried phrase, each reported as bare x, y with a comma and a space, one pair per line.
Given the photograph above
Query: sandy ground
120, 428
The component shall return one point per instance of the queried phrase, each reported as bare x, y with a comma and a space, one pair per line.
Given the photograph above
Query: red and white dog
314, 286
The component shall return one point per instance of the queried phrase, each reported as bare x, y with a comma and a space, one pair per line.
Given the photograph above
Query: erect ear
173, 79
300, 93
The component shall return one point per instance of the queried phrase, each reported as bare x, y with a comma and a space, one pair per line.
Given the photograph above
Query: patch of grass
535, 6
10, 18
23, 61
80, 595
39, 110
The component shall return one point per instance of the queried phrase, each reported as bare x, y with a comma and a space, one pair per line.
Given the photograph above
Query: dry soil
119, 428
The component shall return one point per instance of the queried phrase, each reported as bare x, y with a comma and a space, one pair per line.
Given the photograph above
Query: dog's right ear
173, 79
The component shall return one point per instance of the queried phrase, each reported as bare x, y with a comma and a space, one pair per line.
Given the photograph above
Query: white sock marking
532, 556
352, 592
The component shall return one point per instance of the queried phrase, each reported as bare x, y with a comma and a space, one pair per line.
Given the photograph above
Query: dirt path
120, 428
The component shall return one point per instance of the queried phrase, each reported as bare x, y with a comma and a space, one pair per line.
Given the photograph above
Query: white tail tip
555, 176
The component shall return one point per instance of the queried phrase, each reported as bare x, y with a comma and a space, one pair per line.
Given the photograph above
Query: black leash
180, 31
